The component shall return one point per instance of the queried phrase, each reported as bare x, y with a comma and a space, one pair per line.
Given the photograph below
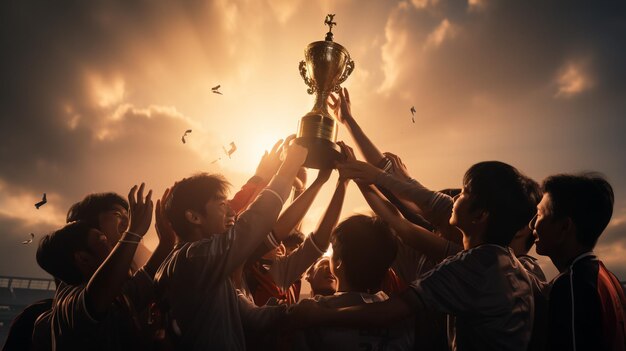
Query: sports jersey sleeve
437, 207
245, 195
216, 258
466, 283
286, 270
69, 312
262, 318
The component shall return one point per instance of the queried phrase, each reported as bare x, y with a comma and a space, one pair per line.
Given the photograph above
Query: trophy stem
321, 105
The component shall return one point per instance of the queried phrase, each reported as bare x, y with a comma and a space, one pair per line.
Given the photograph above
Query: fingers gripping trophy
326, 65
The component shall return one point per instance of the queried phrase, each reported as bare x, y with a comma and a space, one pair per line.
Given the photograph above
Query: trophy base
322, 153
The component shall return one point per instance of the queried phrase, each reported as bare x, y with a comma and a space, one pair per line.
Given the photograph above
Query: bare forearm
106, 283
293, 215
367, 147
416, 237
322, 235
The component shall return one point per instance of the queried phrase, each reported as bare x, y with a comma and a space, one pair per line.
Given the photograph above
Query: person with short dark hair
95, 305
586, 301
322, 280
194, 282
108, 212
484, 288
363, 249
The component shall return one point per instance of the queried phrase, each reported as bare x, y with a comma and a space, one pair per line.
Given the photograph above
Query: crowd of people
430, 270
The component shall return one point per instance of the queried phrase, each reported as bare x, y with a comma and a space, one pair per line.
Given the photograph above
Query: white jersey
399, 336
488, 295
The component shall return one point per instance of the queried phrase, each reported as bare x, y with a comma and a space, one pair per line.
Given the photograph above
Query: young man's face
113, 223
217, 216
546, 228
460, 211
322, 279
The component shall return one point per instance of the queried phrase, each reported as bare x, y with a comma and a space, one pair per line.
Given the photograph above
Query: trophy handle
307, 81
346, 72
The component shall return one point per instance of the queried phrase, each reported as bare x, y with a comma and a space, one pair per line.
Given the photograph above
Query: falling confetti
26, 242
413, 113
184, 135
230, 151
215, 90
42, 202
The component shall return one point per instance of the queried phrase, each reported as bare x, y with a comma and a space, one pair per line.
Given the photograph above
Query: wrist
130, 235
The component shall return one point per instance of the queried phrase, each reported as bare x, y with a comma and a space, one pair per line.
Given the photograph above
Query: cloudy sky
95, 95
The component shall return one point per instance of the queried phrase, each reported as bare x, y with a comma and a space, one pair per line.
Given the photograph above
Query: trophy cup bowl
326, 65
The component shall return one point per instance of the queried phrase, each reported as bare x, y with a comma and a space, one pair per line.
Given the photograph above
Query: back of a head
294, 239
56, 251
366, 246
192, 193
502, 191
93, 205
587, 199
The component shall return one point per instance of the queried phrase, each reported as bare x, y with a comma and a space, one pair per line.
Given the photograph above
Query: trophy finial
329, 22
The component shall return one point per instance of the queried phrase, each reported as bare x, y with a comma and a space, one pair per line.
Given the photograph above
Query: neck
472, 240
563, 261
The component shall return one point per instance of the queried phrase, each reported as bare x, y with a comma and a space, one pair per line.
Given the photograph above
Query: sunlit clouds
99, 103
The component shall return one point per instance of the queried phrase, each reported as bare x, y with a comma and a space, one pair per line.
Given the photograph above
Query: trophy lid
330, 23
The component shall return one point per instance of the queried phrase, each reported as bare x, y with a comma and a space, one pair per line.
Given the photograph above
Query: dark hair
56, 251
366, 247
587, 199
89, 208
192, 193
294, 239
502, 191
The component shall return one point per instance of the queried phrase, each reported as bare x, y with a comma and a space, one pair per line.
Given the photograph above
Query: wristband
128, 242
134, 234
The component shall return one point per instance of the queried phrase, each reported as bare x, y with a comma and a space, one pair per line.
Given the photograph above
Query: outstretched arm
107, 282
293, 215
341, 107
166, 234
321, 235
420, 239
264, 172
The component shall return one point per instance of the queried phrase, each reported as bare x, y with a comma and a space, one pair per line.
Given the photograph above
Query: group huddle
431, 270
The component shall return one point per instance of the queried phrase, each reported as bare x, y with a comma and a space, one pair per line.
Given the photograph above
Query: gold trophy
326, 65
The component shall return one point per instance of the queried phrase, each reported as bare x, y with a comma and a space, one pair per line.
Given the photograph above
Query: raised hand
349, 156
270, 162
140, 210
340, 105
295, 154
398, 167
361, 172
300, 182
165, 232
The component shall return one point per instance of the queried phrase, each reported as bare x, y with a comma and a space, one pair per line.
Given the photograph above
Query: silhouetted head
293, 241
73, 253
495, 201
574, 207
107, 212
363, 249
198, 206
